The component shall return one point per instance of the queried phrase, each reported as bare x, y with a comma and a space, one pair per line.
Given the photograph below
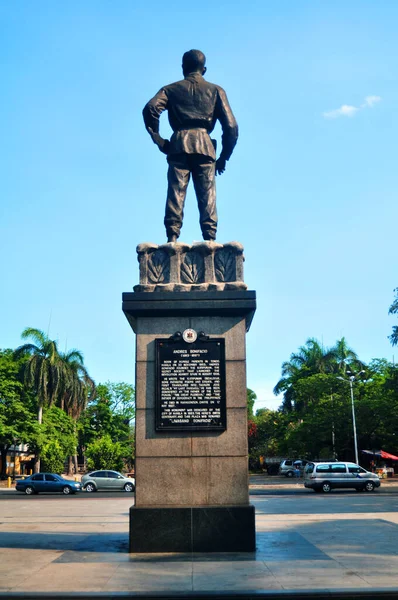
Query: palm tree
43, 371
341, 358
290, 374
310, 359
393, 310
76, 387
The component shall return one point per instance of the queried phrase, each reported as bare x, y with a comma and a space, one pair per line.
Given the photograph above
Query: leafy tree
393, 310
56, 378
321, 428
317, 404
120, 397
312, 359
17, 417
104, 453
56, 432
266, 432
251, 398
376, 406
53, 457
111, 413
341, 356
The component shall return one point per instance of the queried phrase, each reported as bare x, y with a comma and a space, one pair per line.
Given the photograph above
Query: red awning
381, 453
387, 455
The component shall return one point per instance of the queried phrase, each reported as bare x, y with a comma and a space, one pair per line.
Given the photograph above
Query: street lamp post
351, 380
13, 467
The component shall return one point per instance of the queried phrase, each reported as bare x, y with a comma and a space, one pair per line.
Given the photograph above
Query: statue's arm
229, 127
151, 113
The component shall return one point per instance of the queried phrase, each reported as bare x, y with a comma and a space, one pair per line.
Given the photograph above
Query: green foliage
42, 370
120, 397
17, 415
251, 398
76, 384
55, 433
55, 378
269, 430
376, 403
104, 453
57, 425
313, 359
315, 419
10, 386
53, 457
111, 415
393, 310
38, 378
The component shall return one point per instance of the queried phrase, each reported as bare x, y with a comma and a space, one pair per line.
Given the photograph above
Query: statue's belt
191, 129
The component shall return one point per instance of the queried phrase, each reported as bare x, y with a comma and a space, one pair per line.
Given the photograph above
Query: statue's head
193, 61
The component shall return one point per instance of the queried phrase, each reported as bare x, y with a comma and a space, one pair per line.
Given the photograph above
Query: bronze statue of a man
194, 105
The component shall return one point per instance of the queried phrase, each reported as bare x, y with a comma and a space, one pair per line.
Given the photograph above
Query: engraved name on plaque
190, 384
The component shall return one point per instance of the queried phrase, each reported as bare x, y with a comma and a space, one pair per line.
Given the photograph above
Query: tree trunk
40, 414
3, 454
75, 454
36, 467
83, 451
70, 465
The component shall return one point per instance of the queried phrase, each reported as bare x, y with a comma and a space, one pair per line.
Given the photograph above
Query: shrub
53, 458
105, 454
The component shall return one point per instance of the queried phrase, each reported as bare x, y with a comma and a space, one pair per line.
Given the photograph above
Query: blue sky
311, 193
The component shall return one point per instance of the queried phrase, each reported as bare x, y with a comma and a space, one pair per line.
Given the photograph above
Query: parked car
272, 468
106, 481
47, 482
288, 467
325, 476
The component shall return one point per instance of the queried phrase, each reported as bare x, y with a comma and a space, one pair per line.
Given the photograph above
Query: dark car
47, 482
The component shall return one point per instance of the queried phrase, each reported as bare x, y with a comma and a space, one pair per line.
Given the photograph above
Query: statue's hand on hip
157, 139
220, 165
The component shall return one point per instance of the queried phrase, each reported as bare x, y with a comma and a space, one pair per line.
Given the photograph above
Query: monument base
192, 529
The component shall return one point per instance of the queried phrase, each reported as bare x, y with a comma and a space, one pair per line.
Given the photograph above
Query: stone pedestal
191, 486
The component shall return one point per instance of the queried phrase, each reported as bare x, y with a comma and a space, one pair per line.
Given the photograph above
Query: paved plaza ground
343, 540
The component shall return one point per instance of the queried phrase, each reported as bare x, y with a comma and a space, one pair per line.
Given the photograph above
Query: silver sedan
107, 481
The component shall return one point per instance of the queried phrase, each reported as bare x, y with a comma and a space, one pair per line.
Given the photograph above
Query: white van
324, 476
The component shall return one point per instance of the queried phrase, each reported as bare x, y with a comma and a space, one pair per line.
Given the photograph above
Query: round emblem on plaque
189, 335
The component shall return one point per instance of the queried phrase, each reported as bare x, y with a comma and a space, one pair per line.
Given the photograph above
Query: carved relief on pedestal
177, 267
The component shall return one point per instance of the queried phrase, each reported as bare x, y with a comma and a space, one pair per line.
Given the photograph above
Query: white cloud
344, 111
370, 101
347, 110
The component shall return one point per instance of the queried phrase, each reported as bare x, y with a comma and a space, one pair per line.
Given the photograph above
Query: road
6, 494
338, 502
80, 543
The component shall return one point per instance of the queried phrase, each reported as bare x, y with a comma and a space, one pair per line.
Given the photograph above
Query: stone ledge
237, 303
200, 287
